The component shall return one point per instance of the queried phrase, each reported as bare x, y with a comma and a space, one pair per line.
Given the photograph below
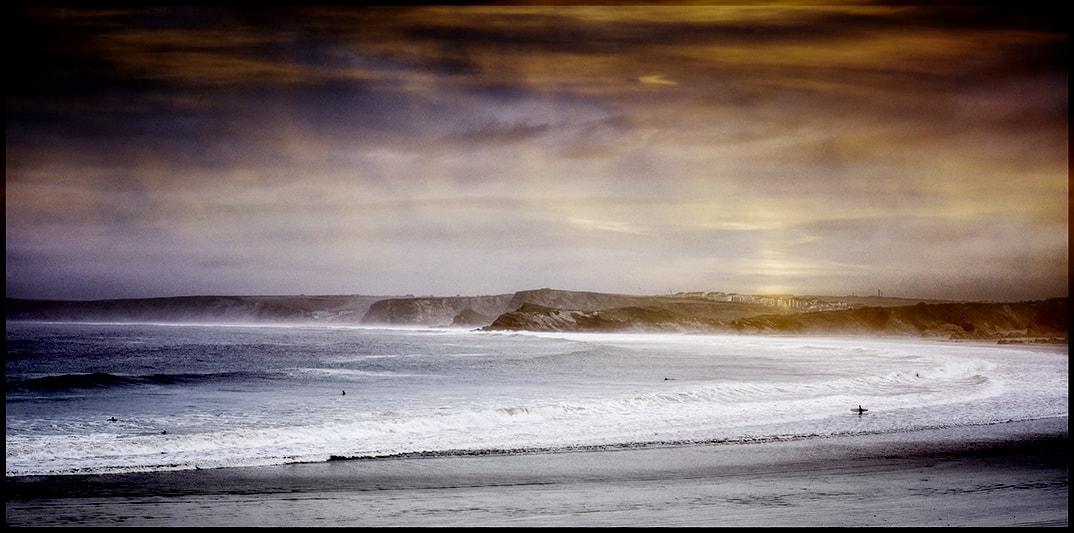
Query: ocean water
100, 398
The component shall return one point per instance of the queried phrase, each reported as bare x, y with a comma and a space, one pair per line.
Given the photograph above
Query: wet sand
1012, 474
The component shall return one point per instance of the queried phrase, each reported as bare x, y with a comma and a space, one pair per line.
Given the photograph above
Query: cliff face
1047, 318
555, 310
533, 317
196, 309
462, 311
1041, 319
435, 311
483, 310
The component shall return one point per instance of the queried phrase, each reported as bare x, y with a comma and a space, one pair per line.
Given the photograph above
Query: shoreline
1009, 474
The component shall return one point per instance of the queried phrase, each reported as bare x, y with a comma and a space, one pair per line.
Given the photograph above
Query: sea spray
85, 398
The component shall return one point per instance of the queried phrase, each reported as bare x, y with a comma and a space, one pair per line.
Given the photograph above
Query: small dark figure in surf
344, 393
860, 410
113, 419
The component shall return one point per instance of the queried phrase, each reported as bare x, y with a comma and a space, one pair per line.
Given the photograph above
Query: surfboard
858, 410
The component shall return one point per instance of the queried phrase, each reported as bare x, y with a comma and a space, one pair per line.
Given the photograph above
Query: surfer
113, 419
344, 393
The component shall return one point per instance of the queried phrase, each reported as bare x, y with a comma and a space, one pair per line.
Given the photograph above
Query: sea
97, 398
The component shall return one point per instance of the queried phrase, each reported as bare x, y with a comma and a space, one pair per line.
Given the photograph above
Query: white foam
750, 388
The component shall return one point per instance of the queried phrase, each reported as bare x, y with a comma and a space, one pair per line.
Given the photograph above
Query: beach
1007, 474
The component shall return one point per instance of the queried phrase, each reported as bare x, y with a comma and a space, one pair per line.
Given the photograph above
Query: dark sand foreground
1012, 474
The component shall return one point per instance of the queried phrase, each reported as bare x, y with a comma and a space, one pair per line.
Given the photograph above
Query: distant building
788, 301
692, 295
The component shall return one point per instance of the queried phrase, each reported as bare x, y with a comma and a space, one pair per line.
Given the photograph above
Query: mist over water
209, 396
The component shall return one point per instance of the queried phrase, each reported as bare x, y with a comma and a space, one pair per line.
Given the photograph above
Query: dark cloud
479, 149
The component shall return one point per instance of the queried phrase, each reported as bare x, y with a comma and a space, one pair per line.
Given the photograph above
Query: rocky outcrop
1052, 317
534, 317
557, 310
470, 318
434, 311
197, 309
960, 321
483, 310
1048, 318
459, 311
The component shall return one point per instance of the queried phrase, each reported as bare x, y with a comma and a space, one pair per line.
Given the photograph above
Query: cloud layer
481, 150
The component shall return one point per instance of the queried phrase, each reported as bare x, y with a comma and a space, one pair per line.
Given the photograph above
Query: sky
845, 148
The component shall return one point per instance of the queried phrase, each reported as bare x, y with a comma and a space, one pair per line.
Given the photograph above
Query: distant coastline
578, 311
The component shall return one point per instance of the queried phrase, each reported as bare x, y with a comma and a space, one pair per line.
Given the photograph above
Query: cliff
459, 311
462, 311
1048, 318
483, 310
1036, 320
534, 317
557, 310
473, 311
437, 311
197, 309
